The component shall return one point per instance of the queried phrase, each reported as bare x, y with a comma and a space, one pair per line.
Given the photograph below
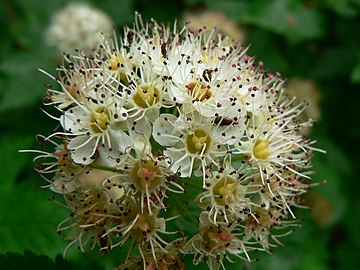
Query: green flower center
216, 238
198, 142
146, 96
115, 61
199, 91
225, 191
146, 175
261, 149
145, 223
99, 119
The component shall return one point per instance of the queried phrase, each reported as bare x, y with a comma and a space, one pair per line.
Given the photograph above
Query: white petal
69, 121
142, 146
120, 140
181, 162
82, 149
232, 134
163, 130
142, 127
120, 143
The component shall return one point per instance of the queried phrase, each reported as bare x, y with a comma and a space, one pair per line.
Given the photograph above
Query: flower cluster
143, 117
76, 26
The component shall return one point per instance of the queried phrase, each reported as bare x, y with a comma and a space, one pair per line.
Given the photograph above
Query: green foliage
20, 72
293, 19
355, 75
31, 261
26, 220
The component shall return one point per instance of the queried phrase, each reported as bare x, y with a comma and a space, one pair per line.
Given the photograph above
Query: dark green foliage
31, 261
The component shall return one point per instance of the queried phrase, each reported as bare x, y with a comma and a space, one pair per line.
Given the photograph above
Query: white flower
282, 191
274, 143
77, 26
146, 227
97, 127
148, 177
259, 229
148, 93
204, 76
93, 212
78, 81
59, 165
194, 142
114, 61
152, 113
224, 196
214, 243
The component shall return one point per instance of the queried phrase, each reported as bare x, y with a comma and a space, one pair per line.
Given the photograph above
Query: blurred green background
317, 40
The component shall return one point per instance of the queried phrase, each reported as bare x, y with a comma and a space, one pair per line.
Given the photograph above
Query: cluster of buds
144, 117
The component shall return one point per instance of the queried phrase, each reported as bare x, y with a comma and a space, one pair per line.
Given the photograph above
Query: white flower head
77, 26
161, 111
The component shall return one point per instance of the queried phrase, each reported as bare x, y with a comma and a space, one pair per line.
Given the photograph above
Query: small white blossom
194, 142
97, 127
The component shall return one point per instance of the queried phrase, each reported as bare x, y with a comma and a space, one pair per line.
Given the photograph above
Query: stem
238, 158
104, 168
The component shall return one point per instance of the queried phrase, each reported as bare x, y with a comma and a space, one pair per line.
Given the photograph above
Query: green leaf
333, 167
195, 2
292, 19
25, 84
355, 75
9, 147
31, 261
28, 221
120, 12
345, 8
265, 45
333, 62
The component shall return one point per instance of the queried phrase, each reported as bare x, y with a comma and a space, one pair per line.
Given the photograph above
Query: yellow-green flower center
199, 91
225, 191
115, 61
146, 96
198, 142
146, 223
260, 217
146, 175
116, 64
100, 119
261, 149
216, 238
